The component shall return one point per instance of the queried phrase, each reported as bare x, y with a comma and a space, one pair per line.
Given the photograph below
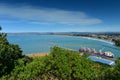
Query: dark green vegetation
60, 64
9, 53
117, 42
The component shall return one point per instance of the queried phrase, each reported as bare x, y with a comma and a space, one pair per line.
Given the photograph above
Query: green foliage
60, 64
8, 54
117, 42
115, 72
70, 65
31, 70
0, 28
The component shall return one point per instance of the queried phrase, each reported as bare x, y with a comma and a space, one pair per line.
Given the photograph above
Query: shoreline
91, 38
102, 40
40, 54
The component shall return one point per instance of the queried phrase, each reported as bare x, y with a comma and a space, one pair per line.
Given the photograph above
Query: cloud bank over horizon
46, 15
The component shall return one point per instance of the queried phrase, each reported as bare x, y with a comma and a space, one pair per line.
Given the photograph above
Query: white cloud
9, 21
46, 15
36, 22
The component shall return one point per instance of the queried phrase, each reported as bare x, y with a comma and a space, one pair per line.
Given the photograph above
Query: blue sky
60, 15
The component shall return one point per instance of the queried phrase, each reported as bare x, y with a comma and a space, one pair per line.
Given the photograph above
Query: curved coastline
99, 40
46, 53
106, 41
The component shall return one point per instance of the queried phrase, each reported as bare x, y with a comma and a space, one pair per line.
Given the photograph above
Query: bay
43, 43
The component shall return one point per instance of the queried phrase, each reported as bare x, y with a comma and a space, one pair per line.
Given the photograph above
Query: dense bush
8, 54
60, 64
117, 42
115, 71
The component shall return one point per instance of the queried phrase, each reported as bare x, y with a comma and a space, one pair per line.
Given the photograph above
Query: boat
88, 50
93, 51
109, 54
100, 52
82, 50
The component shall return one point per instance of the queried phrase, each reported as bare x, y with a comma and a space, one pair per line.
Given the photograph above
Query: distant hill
60, 33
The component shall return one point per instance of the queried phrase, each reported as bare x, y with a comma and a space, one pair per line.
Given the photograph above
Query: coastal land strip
38, 54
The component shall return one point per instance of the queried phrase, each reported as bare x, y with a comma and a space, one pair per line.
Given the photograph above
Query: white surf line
98, 40
101, 40
91, 39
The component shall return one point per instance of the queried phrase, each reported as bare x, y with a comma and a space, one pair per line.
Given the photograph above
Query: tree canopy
60, 64
8, 54
117, 42
0, 28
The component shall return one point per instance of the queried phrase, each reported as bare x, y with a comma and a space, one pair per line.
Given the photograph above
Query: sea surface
43, 43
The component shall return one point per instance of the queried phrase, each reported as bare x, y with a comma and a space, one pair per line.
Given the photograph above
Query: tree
69, 65
115, 74
8, 54
60, 64
117, 42
0, 28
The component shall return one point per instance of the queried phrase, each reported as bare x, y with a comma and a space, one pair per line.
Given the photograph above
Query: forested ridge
60, 64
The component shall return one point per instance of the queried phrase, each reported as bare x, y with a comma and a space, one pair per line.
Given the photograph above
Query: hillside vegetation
62, 64
59, 64
9, 53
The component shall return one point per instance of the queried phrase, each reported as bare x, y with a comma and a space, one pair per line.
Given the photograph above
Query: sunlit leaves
61, 64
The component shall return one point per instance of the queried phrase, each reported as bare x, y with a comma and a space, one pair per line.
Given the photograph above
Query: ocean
43, 43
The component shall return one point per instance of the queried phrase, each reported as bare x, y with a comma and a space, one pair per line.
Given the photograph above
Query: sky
60, 15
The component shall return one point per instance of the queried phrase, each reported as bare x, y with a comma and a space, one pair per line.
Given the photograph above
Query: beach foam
99, 40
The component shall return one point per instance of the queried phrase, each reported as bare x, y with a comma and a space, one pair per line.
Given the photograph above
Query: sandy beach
38, 54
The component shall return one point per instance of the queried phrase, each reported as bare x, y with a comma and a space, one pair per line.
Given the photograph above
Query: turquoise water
43, 43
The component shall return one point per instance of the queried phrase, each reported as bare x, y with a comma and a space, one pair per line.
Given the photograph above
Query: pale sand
38, 54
